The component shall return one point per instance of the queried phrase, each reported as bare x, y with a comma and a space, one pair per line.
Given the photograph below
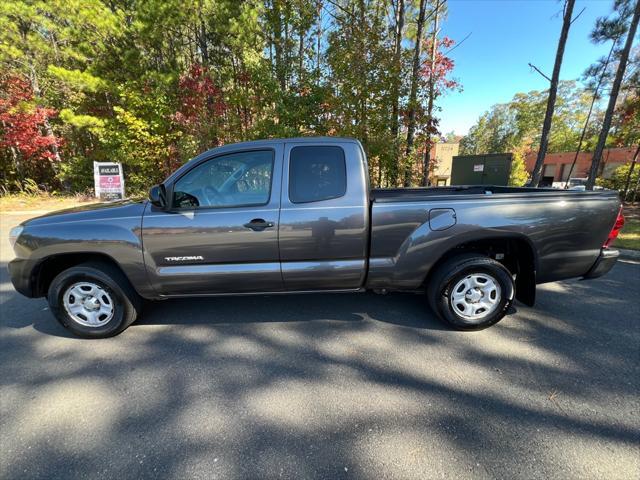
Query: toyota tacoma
298, 215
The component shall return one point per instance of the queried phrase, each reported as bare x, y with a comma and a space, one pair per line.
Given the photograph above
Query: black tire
454, 270
126, 303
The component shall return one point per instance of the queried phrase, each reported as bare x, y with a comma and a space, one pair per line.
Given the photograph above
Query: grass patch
629, 235
15, 203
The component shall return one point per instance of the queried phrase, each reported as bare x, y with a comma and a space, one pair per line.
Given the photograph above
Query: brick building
557, 165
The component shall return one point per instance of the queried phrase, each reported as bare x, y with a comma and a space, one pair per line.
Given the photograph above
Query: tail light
613, 234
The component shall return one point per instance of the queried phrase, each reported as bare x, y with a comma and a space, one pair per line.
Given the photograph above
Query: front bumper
20, 272
605, 262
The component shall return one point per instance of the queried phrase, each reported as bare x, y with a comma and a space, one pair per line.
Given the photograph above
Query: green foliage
77, 173
82, 121
27, 187
518, 176
75, 79
135, 143
626, 123
505, 126
153, 83
618, 179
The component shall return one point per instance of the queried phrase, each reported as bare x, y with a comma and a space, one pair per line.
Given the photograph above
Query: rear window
316, 173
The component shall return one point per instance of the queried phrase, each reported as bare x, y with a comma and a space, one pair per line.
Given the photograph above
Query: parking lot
327, 386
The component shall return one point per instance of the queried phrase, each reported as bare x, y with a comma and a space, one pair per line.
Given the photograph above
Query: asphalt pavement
327, 386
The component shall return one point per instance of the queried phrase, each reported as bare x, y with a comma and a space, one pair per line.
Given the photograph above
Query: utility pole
553, 90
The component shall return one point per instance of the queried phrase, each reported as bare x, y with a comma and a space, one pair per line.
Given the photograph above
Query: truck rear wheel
94, 300
471, 291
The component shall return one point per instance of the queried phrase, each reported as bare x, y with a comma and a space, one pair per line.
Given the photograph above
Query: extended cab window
316, 173
237, 179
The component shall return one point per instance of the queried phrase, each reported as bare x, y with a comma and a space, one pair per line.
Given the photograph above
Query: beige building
443, 154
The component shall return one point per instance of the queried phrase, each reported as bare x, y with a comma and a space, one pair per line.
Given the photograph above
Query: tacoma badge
184, 259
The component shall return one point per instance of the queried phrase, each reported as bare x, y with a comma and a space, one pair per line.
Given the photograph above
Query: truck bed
411, 228
381, 195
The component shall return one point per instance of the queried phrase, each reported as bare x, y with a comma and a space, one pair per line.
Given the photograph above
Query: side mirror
157, 196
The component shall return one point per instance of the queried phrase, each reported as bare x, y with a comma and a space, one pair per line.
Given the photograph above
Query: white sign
108, 181
478, 168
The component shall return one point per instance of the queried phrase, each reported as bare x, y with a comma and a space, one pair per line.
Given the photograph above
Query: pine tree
615, 88
553, 87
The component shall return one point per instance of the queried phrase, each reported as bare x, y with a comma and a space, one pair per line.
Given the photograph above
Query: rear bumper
20, 273
605, 262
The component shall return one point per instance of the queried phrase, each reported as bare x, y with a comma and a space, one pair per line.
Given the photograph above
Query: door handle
258, 224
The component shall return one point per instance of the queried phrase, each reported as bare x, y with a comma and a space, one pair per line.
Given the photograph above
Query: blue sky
492, 64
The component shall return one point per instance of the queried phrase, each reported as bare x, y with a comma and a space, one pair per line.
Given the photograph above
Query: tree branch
457, 44
540, 72
340, 7
576, 17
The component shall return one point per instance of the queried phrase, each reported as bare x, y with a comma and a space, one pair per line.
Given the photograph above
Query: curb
629, 254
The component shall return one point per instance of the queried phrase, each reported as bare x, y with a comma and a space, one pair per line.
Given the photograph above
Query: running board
250, 294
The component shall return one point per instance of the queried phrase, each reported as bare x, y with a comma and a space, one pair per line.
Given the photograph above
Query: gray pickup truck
297, 215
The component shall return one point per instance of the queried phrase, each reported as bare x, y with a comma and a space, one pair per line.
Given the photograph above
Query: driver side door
220, 234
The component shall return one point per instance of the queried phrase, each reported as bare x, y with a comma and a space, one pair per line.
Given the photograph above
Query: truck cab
271, 217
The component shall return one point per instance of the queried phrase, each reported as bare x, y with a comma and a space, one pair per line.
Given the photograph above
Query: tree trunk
413, 94
300, 54
277, 45
15, 157
635, 190
586, 122
359, 30
287, 53
630, 174
318, 43
431, 94
553, 89
606, 124
202, 40
35, 86
395, 92
201, 36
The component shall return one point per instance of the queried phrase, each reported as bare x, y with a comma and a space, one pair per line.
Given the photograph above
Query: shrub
618, 179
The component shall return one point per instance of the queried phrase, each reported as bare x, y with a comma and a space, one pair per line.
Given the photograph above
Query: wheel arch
49, 267
519, 257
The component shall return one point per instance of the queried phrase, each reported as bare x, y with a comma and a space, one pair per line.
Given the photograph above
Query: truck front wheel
93, 300
471, 291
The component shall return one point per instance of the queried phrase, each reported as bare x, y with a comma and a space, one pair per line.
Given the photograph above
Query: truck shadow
358, 382
406, 310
